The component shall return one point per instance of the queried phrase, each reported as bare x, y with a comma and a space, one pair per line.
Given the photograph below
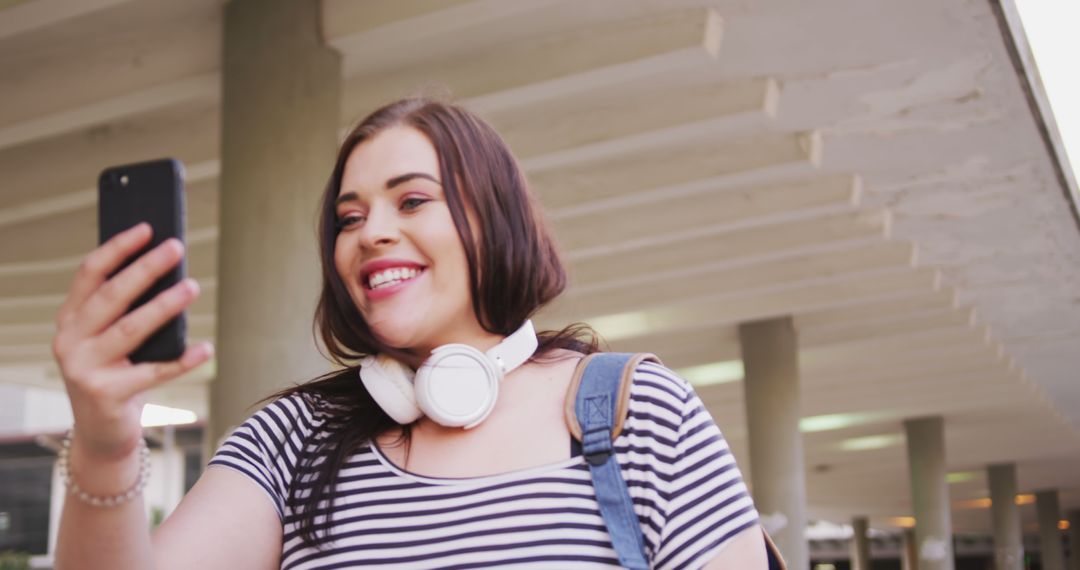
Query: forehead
393, 152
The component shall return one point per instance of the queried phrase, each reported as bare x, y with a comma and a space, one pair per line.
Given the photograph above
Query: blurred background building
851, 223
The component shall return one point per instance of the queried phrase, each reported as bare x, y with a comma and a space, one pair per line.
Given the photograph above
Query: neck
481, 340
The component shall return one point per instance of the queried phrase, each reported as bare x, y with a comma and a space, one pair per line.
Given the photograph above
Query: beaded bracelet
63, 458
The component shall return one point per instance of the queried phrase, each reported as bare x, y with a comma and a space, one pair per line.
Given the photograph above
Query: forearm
92, 537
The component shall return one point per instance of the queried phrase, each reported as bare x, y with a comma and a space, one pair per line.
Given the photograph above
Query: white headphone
457, 386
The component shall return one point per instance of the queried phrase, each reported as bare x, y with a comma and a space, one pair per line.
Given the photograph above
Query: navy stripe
402, 501
489, 548
670, 452
667, 405
449, 537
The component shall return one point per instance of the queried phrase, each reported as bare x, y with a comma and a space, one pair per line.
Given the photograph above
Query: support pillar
777, 465
909, 559
281, 96
929, 492
1049, 513
860, 543
1008, 541
1074, 539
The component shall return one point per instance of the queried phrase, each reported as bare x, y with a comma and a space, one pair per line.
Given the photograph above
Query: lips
383, 277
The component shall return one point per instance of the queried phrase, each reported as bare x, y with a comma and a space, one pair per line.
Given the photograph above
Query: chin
398, 336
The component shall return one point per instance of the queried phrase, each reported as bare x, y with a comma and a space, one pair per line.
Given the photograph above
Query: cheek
341, 262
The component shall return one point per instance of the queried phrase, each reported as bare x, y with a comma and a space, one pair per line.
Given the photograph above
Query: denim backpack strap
595, 414
776, 561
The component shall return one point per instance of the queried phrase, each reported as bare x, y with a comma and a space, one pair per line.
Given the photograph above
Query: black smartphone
151, 192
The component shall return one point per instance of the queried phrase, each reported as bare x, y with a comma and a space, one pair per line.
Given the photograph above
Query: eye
347, 221
413, 203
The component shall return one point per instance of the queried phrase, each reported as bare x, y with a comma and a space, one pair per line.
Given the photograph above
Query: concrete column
281, 97
777, 466
929, 492
173, 458
1008, 541
1049, 513
1074, 539
860, 543
909, 559
57, 496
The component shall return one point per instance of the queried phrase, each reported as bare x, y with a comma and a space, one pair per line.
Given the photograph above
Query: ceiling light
625, 325
829, 422
903, 522
960, 477
871, 442
714, 373
154, 415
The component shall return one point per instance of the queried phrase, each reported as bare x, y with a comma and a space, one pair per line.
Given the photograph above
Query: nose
380, 228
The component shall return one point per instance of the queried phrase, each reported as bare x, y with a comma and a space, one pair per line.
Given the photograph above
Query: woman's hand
94, 337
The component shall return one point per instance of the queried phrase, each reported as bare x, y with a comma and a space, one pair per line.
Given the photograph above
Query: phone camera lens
124, 180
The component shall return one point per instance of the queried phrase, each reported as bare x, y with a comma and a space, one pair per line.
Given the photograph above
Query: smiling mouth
390, 277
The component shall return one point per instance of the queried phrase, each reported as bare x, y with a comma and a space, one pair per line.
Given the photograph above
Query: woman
429, 237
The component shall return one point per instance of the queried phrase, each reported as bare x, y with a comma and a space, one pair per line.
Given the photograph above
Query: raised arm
106, 392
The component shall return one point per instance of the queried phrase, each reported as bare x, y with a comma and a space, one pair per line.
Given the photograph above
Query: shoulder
289, 412
286, 421
665, 406
658, 407
662, 381
660, 394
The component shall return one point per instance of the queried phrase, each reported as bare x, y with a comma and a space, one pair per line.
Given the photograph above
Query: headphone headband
515, 349
456, 386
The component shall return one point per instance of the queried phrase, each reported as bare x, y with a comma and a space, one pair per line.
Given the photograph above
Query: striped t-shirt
687, 492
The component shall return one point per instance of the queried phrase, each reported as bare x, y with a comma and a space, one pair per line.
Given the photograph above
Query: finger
126, 334
98, 264
117, 294
147, 375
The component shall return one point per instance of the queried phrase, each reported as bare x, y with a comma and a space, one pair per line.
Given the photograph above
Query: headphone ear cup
390, 384
457, 386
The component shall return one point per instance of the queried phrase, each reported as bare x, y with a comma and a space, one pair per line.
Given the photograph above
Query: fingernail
203, 351
170, 248
197, 354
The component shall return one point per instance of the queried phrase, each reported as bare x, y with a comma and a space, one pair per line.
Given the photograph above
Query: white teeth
389, 277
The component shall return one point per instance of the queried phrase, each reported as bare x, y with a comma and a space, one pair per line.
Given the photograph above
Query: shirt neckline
479, 480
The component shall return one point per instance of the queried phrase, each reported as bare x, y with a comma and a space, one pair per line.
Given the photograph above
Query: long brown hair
514, 270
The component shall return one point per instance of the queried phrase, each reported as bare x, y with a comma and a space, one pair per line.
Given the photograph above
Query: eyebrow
390, 184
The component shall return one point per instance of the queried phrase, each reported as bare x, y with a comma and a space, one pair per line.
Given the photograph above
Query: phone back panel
150, 192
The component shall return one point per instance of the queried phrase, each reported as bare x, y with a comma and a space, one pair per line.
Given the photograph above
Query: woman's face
397, 249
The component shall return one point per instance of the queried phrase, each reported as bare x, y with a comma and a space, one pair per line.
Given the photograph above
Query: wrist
103, 480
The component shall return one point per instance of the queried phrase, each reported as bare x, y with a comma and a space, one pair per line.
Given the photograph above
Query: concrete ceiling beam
74, 231
199, 326
38, 311
708, 210
560, 131
706, 343
205, 86
899, 366
633, 124
34, 187
656, 288
846, 290
360, 29
27, 16
527, 70
83, 72
887, 339
914, 324
676, 169
807, 323
735, 245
